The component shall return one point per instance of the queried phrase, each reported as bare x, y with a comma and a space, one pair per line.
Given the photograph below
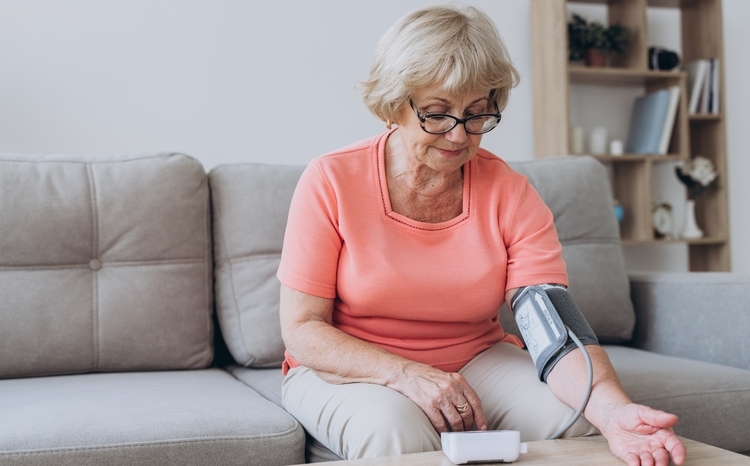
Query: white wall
737, 68
232, 81
225, 81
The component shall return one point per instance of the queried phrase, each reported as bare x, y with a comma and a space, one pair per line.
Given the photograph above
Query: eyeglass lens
444, 123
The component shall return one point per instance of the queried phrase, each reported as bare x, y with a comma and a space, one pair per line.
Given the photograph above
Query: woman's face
441, 152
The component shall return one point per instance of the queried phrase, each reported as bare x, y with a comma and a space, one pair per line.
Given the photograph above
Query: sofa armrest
697, 315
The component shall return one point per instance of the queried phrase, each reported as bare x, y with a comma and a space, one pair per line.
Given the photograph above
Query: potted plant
591, 42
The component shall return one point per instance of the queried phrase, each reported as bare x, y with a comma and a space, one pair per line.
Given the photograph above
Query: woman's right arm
336, 357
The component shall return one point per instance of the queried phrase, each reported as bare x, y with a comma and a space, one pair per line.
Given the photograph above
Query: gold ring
462, 408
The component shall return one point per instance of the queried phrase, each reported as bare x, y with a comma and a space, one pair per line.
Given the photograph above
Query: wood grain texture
549, 45
583, 451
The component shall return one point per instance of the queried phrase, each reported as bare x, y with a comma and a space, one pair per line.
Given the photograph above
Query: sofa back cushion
105, 264
250, 208
577, 191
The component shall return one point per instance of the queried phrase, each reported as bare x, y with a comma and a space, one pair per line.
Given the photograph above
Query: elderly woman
400, 250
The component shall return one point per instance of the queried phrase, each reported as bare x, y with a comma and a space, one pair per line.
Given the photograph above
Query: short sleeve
309, 258
533, 248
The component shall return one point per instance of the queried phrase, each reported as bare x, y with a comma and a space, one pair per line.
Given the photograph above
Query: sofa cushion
705, 396
179, 417
577, 191
709, 308
105, 264
250, 209
267, 382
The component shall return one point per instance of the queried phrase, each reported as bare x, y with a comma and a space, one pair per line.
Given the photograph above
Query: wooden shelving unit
692, 134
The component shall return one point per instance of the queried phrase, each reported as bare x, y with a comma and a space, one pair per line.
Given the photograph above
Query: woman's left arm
637, 434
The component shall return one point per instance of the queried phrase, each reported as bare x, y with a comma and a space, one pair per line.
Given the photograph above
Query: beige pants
363, 420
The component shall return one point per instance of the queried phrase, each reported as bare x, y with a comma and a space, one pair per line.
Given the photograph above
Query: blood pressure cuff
544, 313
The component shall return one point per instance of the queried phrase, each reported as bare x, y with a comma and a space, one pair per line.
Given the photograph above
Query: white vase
690, 229
598, 141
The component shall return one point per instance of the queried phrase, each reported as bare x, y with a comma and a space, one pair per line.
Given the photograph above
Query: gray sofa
139, 313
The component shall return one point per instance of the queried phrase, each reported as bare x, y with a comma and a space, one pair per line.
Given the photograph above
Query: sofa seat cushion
267, 382
182, 417
709, 399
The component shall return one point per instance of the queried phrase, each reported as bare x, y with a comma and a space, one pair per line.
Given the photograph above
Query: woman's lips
451, 154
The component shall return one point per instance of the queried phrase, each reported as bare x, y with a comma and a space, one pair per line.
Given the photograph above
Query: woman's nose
457, 134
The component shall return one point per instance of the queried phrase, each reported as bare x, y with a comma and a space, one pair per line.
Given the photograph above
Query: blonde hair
458, 48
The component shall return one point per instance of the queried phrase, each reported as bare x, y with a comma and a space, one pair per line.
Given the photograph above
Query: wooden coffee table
583, 451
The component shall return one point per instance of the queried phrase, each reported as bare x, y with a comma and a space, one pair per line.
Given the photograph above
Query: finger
661, 457
455, 421
656, 418
647, 459
631, 459
435, 415
676, 448
451, 415
478, 419
467, 414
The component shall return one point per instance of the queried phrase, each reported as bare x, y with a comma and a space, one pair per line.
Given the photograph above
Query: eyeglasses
441, 123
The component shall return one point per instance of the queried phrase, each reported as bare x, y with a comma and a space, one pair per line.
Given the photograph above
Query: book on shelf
666, 131
706, 91
714, 105
703, 85
647, 123
697, 73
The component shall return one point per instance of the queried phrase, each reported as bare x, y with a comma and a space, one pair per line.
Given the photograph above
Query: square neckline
407, 221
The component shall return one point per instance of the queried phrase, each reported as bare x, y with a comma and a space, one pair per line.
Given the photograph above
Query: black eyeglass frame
422, 117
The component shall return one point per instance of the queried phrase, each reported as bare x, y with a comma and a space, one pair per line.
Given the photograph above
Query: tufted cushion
105, 264
250, 209
577, 191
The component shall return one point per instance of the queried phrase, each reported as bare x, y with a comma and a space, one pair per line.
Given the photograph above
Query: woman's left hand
642, 436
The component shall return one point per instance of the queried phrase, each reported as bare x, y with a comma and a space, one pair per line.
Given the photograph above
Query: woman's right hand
442, 396
341, 358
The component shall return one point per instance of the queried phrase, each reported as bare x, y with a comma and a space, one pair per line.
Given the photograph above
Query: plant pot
595, 58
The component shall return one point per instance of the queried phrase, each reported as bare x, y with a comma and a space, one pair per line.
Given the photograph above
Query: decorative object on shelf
615, 147
592, 41
690, 229
598, 140
619, 211
663, 220
576, 140
661, 59
697, 175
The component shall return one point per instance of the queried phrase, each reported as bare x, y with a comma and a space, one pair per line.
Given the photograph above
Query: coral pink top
429, 292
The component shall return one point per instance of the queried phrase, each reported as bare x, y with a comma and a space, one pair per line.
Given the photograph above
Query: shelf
621, 76
699, 241
636, 178
703, 117
638, 158
651, 3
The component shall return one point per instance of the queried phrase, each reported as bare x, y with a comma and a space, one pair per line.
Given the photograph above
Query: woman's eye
435, 118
